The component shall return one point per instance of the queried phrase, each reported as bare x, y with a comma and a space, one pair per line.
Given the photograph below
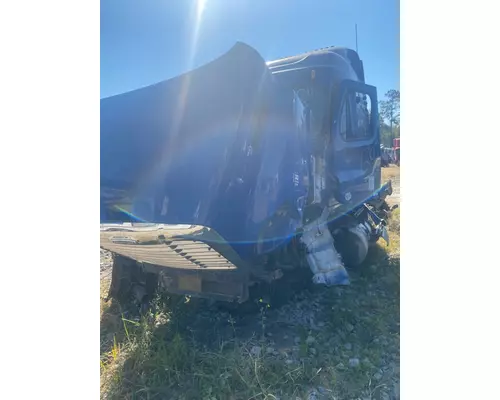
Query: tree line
389, 117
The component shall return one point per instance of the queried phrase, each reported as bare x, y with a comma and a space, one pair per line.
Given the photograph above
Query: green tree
385, 134
389, 112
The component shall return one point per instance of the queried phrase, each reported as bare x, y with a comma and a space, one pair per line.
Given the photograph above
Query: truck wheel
129, 283
120, 279
352, 247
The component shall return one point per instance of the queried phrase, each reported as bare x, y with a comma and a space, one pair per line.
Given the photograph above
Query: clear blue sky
144, 42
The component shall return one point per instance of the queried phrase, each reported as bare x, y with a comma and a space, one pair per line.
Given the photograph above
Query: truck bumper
187, 260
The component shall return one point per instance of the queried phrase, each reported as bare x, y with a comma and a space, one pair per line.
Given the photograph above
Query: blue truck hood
218, 146
145, 131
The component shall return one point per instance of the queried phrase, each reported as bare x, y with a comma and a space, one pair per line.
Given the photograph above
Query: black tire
121, 279
125, 274
351, 249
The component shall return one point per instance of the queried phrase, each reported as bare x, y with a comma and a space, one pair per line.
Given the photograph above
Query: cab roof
324, 57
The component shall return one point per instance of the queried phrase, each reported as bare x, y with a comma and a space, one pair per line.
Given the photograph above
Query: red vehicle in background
395, 145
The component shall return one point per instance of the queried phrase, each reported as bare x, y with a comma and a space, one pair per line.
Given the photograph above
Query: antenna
356, 30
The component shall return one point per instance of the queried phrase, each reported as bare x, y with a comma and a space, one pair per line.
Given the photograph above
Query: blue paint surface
224, 146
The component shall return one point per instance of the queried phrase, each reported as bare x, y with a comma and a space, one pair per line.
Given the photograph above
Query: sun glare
200, 7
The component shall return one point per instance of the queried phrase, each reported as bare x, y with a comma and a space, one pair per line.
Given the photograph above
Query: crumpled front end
329, 248
322, 256
215, 150
211, 148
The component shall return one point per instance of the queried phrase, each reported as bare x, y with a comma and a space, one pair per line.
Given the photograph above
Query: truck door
355, 153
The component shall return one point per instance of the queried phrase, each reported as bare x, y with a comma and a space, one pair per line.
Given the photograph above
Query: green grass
158, 357
153, 361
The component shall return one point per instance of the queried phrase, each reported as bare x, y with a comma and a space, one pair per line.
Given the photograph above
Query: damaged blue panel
218, 146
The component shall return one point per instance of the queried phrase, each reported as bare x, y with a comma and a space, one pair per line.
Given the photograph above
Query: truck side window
355, 117
362, 117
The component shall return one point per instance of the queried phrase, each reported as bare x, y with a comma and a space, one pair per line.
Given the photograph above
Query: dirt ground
325, 343
392, 173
